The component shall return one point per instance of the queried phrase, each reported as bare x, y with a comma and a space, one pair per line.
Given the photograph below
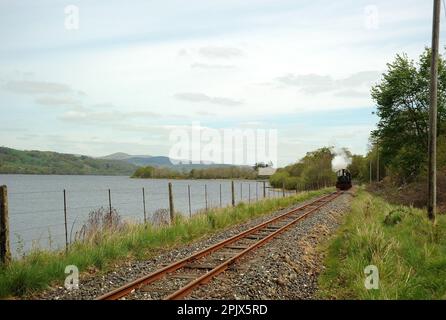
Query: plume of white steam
341, 159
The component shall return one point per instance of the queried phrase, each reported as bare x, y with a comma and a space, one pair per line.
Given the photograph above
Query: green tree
402, 99
313, 171
359, 168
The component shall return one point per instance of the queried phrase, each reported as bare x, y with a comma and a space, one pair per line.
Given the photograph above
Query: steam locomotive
343, 179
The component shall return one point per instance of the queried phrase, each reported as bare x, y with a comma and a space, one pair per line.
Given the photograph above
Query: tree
402, 99
311, 172
359, 168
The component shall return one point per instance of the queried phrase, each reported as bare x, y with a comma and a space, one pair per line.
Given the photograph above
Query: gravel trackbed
286, 267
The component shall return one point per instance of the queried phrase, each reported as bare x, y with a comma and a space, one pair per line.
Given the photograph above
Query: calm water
36, 206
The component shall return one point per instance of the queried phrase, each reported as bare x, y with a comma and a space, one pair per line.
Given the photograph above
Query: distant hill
140, 160
161, 161
46, 162
116, 156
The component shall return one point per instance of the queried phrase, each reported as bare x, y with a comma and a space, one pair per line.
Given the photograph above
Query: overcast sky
135, 70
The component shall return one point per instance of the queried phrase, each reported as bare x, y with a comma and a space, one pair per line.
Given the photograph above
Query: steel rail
182, 292
152, 277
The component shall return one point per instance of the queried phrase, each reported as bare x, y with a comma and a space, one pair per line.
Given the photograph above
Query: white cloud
220, 52
36, 87
106, 117
314, 83
58, 101
207, 66
200, 97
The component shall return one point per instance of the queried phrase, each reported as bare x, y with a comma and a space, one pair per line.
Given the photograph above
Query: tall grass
409, 252
41, 268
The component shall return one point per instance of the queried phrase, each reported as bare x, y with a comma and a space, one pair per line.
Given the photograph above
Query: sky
98, 77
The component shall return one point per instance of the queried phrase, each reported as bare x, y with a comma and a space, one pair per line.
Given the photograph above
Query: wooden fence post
188, 195
249, 192
257, 191
144, 204
109, 203
65, 219
206, 196
233, 193
283, 189
264, 189
220, 195
110, 217
171, 208
5, 251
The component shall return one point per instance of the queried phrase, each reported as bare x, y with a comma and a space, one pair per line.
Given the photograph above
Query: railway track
177, 280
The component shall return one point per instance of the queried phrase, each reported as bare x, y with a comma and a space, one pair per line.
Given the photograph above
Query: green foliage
402, 99
359, 168
41, 268
157, 172
311, 172
39, 162
407, 249
396, 216
229, 172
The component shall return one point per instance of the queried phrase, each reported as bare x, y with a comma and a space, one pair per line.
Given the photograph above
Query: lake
36, 202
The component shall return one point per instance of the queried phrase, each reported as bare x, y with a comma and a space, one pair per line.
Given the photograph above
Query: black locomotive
343, 179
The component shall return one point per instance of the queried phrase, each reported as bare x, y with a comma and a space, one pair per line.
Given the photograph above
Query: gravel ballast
285, 268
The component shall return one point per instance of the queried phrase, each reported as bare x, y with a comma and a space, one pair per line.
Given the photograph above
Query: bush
396, 216
99, 221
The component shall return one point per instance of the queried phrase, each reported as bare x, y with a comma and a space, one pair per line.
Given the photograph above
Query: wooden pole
257, 191
206, 196
5, 250
249, 192
233, 193
432, 170
171, 208
188, 194
283, 189
377, 161
220, 195
144, 204
264, 189
110, 209
65, 219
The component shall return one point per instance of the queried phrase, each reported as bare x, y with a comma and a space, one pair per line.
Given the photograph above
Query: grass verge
41, 268
408, 251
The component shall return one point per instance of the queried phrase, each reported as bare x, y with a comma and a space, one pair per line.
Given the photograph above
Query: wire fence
50, 219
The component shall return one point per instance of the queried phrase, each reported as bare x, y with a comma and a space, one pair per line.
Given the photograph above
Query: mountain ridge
160, 161
13, 161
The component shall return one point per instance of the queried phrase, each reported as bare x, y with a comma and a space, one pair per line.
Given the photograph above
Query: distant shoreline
65, 174
183, 178
126, 176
